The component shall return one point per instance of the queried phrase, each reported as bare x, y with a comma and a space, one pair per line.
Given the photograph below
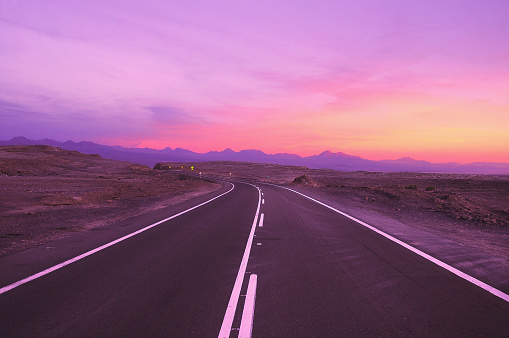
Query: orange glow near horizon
422, 134
435, 123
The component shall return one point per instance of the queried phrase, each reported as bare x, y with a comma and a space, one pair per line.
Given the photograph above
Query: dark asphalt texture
319, 275
323, 275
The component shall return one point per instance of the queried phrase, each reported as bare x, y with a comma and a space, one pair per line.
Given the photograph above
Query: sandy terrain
472, 210
48, 193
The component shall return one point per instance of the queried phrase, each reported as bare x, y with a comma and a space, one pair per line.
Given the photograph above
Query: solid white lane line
261, 220
91, 252
438, 262
226, 327
246, 324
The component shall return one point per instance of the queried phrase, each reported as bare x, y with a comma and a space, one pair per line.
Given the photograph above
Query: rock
305, 180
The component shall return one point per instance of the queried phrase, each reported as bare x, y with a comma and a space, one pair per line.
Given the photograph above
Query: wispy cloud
173, 116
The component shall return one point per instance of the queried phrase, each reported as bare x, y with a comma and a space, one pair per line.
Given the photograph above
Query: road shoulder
460, 251
24, 263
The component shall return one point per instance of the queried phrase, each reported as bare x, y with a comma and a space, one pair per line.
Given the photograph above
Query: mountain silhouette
325, 160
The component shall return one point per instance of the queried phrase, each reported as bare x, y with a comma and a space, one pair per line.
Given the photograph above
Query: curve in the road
102, 247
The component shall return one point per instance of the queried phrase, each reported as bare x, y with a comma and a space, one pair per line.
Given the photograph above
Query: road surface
258, 260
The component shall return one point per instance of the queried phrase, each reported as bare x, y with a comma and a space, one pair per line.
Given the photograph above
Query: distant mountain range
327, 159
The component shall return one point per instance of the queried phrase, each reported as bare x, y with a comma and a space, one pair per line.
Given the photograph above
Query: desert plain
48, 193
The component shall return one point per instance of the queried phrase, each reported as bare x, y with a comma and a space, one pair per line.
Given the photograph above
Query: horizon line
254, 149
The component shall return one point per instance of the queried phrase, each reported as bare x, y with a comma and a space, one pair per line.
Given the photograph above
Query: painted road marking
263, 201
261, 220
91, 252
226, 327
246, 323
438, 262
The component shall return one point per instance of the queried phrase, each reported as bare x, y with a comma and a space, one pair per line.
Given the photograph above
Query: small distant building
162, 166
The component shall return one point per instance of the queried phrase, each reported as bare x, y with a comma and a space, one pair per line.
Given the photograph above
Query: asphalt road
311, 273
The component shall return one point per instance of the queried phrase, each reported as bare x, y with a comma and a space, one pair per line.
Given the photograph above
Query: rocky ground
470, 209
48, 193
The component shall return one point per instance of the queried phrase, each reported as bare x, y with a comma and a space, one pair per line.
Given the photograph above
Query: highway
249, 259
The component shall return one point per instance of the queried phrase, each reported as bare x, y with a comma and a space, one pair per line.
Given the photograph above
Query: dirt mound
137, 167
305, 180
42, 160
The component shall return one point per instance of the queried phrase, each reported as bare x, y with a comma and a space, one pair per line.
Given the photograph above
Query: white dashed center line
261, 220
229, 315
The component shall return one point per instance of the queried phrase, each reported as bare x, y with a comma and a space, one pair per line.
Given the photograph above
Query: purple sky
378, 79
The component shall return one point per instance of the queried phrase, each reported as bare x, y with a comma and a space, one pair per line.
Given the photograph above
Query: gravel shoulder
491, 240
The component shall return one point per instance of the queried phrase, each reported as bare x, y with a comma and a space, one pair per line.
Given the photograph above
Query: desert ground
48, 193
